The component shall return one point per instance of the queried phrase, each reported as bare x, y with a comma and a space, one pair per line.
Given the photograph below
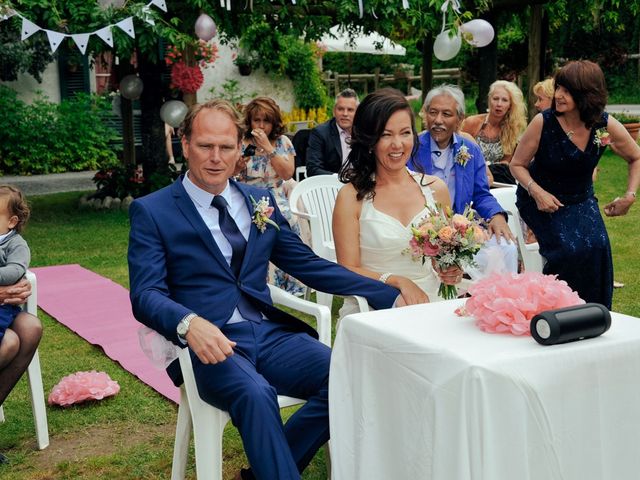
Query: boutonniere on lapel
262, 212
602, 138
463, 156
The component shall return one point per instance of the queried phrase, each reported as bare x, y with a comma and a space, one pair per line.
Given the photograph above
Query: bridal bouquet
449, 239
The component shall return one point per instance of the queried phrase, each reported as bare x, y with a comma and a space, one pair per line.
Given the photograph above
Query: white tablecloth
420, 393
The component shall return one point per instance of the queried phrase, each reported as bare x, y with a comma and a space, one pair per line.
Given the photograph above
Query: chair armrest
532, 247
363, 305
31, 306
301, 214
320, 312
500, 185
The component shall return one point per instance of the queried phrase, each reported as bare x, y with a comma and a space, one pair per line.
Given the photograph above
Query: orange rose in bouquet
449, 239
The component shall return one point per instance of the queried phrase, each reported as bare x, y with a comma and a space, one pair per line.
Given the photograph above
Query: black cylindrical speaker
570, 323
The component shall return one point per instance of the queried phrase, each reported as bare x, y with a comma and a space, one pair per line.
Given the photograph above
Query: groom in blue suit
198, 263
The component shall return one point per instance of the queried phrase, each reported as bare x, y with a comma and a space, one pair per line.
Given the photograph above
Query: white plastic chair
35, 377
531, 257
300, 172
207, 421
317, 196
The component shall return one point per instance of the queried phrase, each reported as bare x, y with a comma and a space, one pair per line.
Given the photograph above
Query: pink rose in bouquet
449, 239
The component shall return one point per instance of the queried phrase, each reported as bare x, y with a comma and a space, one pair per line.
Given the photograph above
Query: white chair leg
324, 299
1, 414
327, 456
183, 436
37, 402
207, 436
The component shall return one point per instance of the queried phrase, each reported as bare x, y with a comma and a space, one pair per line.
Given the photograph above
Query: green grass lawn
130, 436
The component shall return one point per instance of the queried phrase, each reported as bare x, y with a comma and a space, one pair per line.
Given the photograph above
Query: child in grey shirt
14, 251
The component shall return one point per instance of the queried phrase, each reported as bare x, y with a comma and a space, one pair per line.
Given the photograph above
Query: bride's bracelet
384, 277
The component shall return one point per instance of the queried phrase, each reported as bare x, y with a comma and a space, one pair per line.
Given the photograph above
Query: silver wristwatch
183, 325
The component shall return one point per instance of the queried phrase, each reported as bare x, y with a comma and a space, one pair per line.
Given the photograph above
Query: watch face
182, 329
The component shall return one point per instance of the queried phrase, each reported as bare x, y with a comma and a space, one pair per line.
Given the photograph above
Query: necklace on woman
568, 133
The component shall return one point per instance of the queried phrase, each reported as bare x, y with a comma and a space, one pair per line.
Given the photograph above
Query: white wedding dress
383, 239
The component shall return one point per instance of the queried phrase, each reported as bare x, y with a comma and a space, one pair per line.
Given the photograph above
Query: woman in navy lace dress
556, 197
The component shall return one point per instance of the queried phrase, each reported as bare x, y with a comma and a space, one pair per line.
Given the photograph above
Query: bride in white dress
374, 212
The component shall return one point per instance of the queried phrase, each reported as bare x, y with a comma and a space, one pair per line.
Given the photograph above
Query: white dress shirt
344, 143
238, 210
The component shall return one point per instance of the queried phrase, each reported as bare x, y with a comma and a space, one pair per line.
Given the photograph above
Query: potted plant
630, 122
245, 62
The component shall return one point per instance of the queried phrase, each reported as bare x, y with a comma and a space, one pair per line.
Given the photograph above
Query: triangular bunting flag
7, 14
28, 28
55, 39
229, 5
105, 34
160, 4
126, 26
405, 4
82, 40
146, 15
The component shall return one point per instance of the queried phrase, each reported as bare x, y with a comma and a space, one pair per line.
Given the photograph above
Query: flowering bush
185, 78
506, 302
449, 239
204, 53
119, 181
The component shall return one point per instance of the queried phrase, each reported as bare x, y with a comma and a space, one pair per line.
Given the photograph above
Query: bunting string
81, 40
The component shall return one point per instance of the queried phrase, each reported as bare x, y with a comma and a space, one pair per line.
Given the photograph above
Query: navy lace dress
573, 240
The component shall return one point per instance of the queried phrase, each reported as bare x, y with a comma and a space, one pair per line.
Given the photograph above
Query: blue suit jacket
175, 266
471, 180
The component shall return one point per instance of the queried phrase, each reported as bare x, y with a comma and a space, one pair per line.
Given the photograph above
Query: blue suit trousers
271, 359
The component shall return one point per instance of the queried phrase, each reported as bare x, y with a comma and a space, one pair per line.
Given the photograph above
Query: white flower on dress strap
262, 212
602, 138
463, 156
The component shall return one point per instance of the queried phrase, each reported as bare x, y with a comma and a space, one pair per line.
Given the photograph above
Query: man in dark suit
329, 142
199, 252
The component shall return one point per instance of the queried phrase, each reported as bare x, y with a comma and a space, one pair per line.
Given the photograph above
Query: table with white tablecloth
421, 393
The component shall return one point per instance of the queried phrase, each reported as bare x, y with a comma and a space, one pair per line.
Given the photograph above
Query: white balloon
205, 27
131, 87
173, 112
478, 32
446, 47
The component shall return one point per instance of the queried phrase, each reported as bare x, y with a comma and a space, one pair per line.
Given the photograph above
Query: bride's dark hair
369, 123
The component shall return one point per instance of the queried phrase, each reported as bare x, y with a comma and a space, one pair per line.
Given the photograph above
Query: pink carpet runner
99, 310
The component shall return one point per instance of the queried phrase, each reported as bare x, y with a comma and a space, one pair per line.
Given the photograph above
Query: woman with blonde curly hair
497, 132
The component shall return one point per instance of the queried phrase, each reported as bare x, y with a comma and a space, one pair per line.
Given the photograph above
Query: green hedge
45, 137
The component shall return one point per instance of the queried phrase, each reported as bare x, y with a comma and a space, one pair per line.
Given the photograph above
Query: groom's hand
208, 342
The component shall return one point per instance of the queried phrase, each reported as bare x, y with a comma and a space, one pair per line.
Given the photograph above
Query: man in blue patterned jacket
460, 164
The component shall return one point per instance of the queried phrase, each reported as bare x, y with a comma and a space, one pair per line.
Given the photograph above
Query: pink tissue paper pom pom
506, 302
81, 386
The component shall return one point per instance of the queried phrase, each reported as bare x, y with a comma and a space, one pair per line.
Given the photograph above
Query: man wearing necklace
460, 164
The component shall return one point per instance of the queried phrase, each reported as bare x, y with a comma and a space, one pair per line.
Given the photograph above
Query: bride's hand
411, 293
449, 276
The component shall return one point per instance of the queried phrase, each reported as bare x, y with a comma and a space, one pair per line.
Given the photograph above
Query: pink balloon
446, 47
205, 27
478, 32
